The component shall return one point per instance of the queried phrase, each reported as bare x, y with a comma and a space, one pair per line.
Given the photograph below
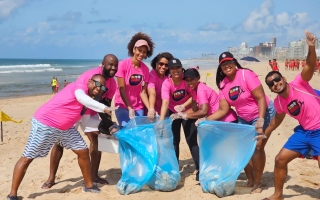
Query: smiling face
276, 83
95, 84
175, 72
162, 66
192, 82
140, 53
110, 66
229, 68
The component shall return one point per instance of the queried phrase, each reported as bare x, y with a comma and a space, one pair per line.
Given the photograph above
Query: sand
302, 183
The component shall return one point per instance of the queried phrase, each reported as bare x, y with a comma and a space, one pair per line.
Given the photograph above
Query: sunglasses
98, 84
161, 64
271, 83
223, 65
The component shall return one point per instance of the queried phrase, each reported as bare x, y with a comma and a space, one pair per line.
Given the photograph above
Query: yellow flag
5, 118
208, 74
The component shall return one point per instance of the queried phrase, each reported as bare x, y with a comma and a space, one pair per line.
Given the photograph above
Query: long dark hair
156, 59
220, 75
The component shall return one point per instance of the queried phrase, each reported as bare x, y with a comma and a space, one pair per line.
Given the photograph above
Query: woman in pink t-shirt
133, 77
158, 75
242, 89
205, 101
176, 96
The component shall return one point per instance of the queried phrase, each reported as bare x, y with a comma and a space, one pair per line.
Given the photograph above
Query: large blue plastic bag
166, 175
138, 154
225, 150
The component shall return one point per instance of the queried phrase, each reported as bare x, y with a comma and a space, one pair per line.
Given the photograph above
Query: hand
131, 113
310, 38
199, 120
260, 136
259, 125
183, 115
179, 108
151, 114
175, 116
108, 109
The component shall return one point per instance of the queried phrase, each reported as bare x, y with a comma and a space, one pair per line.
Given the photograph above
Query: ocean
26, 77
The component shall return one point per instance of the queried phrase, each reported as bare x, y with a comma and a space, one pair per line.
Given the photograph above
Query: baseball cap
225, 56
175, 62
191, 73
140, 43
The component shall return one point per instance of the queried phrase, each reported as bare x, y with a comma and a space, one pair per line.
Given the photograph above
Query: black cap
175, 62
191, 73
225, 56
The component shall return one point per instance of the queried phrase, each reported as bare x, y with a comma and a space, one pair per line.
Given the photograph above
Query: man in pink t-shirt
54, 123
300, 101
90, 123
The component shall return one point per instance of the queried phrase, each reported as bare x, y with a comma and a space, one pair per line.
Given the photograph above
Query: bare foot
273, 197
256, 189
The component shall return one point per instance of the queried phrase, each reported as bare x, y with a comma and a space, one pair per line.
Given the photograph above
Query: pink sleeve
202, 96
146, 74
299, 81
221, 95
165, 90
277, 106
151, 83
251, 79
121, 69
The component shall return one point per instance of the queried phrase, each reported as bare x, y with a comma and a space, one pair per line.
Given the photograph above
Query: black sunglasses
271, 83
98, 84
224, 64
161, 64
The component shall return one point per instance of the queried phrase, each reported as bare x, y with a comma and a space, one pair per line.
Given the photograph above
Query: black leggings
191, 133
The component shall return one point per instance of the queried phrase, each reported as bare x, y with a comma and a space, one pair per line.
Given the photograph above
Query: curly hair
140, 36
156, 59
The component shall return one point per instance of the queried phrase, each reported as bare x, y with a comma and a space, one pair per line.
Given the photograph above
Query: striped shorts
43, 137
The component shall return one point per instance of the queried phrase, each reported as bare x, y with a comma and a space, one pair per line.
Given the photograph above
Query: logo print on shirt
135, 79
294, 107
179, 95
235, 92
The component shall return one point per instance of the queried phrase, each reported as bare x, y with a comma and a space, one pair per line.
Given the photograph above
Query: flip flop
47, 185
101, 181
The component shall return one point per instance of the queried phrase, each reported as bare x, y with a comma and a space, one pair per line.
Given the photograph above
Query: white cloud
43, 27
282, 19
8, 6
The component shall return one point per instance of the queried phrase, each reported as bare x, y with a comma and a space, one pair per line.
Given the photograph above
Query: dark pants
106, 121
191, 133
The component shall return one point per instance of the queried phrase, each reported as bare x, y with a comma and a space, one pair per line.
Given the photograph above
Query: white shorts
89, 123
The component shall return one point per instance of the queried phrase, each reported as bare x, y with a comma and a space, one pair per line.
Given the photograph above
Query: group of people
170, 90
294, 64
55, 85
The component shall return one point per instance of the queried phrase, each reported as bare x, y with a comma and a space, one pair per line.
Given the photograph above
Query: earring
236, 68
221, 73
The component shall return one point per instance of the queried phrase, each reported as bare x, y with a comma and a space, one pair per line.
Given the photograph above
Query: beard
106, 73
284, 88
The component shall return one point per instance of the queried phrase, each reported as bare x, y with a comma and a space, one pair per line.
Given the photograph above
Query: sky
89, 29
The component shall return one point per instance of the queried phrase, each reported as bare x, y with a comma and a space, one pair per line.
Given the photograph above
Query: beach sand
302, 183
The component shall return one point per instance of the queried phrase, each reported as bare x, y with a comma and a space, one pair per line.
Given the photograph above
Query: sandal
101, 181
47, 185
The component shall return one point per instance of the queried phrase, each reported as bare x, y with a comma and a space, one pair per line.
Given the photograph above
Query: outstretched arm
308, 70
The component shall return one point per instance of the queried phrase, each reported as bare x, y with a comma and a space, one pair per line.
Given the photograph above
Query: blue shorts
302, 141
270, 113
122, 115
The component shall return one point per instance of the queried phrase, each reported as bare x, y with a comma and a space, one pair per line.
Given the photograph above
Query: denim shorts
302, 141
270, 113
122, 115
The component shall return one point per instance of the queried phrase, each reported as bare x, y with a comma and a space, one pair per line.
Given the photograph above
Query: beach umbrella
250, 59
5, 118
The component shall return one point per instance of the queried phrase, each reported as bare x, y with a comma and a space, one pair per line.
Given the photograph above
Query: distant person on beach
270, 64
242, 89
90, 123
158, 75
275, 66
197, 67
57, 85
65, 83
299, 100
53, 85
286, 64
54, 123
133, 77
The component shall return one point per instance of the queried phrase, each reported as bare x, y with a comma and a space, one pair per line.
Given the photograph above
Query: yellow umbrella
5, 118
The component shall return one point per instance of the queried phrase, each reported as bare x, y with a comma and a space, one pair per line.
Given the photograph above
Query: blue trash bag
166, 175
317, 91
225, 150
138, 154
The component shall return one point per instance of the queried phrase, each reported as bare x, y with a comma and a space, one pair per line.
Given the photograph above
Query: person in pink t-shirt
158, 75
205, 101
133, 77
90, 123
242, 89
300, 101
176, 96
54, 122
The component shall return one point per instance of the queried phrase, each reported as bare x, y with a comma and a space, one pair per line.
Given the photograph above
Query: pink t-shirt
176, 95
238, 93
62, 111
303, 107
111, 85
156, 83
134, 81
207, 95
